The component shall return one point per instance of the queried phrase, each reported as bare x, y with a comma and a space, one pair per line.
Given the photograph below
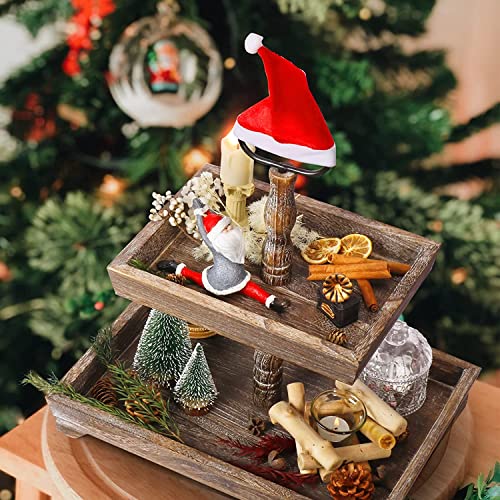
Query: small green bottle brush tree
195, 390
164, 348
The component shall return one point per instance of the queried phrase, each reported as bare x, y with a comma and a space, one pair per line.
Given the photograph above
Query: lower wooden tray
204, 458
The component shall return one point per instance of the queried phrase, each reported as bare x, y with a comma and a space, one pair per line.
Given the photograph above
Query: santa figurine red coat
227, 275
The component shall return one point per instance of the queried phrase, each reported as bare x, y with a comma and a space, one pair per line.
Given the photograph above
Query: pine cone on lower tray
351, 481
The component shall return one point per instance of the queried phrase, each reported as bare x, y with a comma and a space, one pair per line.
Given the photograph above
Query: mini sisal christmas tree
164, 348
195, 389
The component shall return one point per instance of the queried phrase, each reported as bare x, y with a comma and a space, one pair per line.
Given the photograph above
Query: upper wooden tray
298, 335
204, 458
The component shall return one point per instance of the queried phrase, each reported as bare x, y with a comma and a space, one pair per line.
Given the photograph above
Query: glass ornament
165, 71
399, 369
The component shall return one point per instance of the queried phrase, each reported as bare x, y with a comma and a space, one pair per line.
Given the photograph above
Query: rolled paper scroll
378, 435
296, 397
311, 442
377, 409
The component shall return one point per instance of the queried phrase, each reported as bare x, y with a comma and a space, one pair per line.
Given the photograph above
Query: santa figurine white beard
230, 242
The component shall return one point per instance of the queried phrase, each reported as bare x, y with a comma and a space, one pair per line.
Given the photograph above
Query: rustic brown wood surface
279, 214
267, 379
299, 334
204, 458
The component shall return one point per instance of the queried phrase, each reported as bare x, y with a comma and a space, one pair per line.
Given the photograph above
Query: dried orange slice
318, 251
356, 245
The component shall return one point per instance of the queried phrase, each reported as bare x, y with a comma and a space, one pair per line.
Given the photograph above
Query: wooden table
22, 456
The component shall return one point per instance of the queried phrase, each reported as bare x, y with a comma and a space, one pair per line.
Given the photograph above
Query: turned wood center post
279, 216
267, 378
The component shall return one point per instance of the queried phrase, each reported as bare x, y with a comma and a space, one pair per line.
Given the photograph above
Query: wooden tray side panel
166, 452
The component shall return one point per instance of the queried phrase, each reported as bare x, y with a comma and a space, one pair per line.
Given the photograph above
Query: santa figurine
227, 274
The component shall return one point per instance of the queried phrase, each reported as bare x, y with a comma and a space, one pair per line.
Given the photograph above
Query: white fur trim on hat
324, 157
179, 268
270, 300
253, 43
218, 228
228, 291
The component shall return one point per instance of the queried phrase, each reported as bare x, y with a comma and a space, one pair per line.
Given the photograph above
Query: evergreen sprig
154, 411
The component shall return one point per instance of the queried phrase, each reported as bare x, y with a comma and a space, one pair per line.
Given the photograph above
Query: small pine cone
256, 426
337, 337
104, 392
176, 278
351, 481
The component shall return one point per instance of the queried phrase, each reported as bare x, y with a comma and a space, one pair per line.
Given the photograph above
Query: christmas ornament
82, 29
227, 275
195, 389
165, 70
164, 348
399, 369
351, 481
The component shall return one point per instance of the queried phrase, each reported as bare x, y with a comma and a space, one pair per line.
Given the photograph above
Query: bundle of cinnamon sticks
360, 269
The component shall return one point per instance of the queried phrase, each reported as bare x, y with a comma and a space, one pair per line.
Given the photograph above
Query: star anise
256, 426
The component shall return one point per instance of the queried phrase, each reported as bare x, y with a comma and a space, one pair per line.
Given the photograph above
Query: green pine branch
150, 410
477, 123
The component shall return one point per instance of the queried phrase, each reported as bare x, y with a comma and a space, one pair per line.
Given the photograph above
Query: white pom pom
253, 43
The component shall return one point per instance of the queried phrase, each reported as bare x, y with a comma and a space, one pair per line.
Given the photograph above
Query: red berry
99, 305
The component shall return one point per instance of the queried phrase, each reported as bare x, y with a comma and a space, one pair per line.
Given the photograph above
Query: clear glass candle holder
337, 414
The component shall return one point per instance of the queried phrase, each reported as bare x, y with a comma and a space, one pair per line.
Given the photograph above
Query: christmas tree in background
75, 169
195, 390
164, 348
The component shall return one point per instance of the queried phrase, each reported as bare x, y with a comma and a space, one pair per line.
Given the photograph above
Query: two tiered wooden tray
298, 336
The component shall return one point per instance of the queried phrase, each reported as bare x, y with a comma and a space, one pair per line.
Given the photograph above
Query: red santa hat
288, 122
215, 224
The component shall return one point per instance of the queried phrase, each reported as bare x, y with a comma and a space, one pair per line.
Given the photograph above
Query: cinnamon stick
353, 275
352, 266
368, 295
397, 268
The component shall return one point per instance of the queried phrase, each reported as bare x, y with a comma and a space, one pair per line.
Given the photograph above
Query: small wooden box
299, 334
203, 458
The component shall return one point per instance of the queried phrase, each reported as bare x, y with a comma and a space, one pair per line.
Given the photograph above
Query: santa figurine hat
288, 122
215, 224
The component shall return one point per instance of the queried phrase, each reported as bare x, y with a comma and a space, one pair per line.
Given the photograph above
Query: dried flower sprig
179, 211
259, 451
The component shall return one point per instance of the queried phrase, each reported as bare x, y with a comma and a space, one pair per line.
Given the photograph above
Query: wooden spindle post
267, 377
280, 214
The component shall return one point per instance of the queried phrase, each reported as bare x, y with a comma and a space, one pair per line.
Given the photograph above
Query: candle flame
337, 422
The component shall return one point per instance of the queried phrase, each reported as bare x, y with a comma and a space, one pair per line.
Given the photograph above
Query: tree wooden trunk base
267, 378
